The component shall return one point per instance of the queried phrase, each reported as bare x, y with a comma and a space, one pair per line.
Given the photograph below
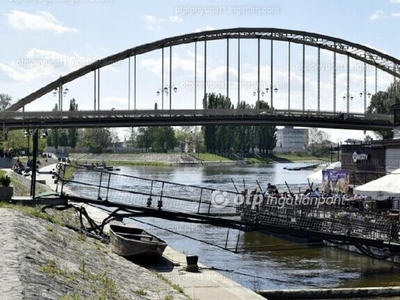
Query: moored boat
130, 241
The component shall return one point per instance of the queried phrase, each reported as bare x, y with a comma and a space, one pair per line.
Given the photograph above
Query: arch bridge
303, 104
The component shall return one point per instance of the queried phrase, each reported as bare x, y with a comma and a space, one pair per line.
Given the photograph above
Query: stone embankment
164, 158
45, 260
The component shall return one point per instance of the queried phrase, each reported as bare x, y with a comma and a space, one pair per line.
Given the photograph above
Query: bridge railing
97, 184
46, 115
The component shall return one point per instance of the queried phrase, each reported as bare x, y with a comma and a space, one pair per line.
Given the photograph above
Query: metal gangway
372, 233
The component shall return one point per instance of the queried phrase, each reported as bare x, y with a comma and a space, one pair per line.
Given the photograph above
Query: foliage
237, 138
96, 139
73, 132
159, 139
320, 145
210, 157
17, 140
189, 139
5, 101
53, 138
382, 102
131, 135
5, 180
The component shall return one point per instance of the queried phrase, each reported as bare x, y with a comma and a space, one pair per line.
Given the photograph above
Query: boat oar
259, 186
289, 189
310, 185
235, 185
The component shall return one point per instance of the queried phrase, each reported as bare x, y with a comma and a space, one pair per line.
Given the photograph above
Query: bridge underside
82, 119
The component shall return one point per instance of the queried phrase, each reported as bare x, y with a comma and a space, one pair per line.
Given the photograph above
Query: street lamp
365, 94
27, 134
35, 141
61, 93
266, 91
167, 90
368, 94
348, 97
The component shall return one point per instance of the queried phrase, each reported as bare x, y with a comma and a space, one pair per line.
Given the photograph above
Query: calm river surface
281, 263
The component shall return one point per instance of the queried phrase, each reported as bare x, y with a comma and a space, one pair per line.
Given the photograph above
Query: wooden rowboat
130, 241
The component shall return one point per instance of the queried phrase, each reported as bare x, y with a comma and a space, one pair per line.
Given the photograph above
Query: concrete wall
7, 163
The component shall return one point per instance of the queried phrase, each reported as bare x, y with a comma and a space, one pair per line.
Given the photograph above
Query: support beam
227, 67
195, 74
304, 78
238, 73
258, 70
289, 75
272, 90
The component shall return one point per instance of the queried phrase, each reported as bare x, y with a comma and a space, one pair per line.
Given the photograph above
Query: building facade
289, 139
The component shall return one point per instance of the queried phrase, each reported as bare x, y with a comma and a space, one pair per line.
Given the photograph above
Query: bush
5, 180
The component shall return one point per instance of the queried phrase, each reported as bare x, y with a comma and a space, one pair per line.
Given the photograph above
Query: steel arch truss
378, 59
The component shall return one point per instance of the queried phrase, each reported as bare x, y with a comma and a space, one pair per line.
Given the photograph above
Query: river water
277, 263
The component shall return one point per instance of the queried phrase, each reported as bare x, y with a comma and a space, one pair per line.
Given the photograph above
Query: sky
45, 39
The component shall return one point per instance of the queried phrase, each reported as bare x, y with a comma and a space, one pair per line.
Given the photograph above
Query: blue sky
42, 40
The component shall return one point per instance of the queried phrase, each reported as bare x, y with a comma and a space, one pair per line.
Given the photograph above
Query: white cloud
176, 19
396, 15
395, 1
152, 23
42, 21
39, 63
180, 66
378, 14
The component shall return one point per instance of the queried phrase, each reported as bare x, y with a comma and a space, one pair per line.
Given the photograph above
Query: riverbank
160, 159
42, 259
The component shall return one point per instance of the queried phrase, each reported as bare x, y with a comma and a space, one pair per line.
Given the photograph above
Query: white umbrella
317, 176
381, 188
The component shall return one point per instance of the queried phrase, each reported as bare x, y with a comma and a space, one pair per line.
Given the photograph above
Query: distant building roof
352, 141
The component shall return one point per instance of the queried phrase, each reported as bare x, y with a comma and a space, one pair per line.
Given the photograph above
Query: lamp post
167, 90
348, 97
61, 93
365, 94
27, 134
267, 90
35, 145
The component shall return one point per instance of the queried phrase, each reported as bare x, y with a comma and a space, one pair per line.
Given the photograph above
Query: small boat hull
134, 242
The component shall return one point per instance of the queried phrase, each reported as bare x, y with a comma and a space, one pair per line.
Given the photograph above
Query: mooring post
108, 185
227, 237
98, 194
237, 242
201, 193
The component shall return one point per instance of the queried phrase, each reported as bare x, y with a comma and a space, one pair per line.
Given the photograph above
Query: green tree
144, 138
53, 138
382, 102
96, 139
217, 138
164, 138
5, 101
18, 141
73, 132
266, 135
159, 139
319, 143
